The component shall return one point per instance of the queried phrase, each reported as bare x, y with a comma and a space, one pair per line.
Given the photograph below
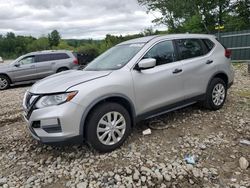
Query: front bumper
56, 124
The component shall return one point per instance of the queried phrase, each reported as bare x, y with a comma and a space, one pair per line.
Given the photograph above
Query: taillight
76, 62
228, 53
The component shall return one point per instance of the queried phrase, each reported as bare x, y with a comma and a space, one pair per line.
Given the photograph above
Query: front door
24, 69
162, 85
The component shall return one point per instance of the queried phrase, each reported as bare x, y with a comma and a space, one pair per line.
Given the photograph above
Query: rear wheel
62, 69
4, 82
108, 126
216, 94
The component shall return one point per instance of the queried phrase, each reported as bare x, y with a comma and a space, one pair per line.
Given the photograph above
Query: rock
117, 178
243, 163
136, 175
50, 180
31, 179
196, 173
111, 174
82, 185
128, 171
213, 171
3, 181
159, 176
205, 171
202, 146
191, 181
143, 179
167, 177
146, 170
5, 186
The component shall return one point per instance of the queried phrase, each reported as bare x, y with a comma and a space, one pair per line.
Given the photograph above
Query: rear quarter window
209, 44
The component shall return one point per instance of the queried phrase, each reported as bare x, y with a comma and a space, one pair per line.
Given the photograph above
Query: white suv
134, 80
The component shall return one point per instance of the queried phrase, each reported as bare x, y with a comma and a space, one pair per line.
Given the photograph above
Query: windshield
115, 58
16, 60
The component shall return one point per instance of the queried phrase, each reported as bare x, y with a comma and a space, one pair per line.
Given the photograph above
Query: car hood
63, 81
4, 66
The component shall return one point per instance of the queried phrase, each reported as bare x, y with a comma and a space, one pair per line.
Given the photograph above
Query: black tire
6, 80
92, 123
208, 102
62, 69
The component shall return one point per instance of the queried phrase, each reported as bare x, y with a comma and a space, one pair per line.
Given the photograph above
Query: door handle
53, 63
176, 71
209, 61
32, 66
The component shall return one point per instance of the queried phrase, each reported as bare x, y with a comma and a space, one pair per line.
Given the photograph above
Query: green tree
179, 15
54, 38
39, 44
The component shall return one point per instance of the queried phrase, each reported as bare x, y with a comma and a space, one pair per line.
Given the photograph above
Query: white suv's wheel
108, 126
216, 94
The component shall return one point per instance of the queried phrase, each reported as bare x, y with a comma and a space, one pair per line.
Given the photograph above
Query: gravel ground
155, 160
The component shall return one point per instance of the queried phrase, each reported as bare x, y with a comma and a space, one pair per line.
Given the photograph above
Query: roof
169, 36
48, 51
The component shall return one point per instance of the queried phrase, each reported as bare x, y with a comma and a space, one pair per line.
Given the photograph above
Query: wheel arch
64, 67
4, 74
118, 98
221, 75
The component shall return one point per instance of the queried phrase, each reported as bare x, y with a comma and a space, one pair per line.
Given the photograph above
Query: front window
27, 60
162, 52
115, 58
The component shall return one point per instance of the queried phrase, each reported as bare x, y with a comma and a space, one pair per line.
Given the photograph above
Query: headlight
52, 100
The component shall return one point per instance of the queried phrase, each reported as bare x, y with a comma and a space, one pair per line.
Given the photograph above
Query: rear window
42, 58
189, 48
59, 56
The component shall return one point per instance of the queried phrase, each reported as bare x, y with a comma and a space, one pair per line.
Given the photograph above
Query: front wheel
4, 82
108, 126
216, 94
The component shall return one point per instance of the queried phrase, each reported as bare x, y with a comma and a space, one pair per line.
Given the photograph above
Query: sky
74, 18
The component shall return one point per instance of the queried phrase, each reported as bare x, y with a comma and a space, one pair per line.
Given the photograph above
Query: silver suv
134, 80
36, 65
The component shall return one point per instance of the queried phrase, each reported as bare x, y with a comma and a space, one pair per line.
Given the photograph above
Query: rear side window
59, 56
189, 48
163, 52
42, 57
209, 44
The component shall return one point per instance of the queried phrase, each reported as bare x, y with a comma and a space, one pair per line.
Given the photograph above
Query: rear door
25, 69
198, 65
44, 65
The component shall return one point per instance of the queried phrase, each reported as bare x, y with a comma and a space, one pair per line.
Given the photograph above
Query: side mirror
146, 64
17, 64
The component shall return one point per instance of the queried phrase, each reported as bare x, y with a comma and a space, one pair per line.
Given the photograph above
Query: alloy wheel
218, 94
111, 128
3, 83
